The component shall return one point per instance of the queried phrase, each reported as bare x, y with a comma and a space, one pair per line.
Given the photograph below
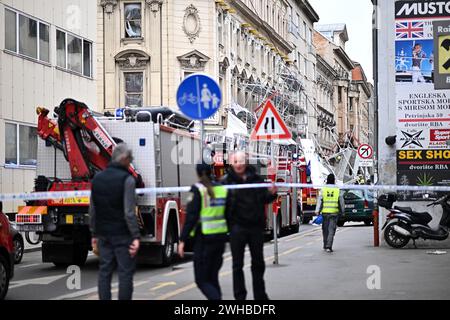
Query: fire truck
76, 143
283, 166
308, 195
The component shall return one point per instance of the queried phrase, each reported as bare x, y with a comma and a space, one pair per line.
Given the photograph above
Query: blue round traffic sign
199, 97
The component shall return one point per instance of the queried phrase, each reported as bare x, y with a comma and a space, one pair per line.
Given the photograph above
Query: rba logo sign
374, 280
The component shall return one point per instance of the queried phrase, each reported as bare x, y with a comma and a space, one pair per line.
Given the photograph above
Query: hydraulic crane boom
85, 143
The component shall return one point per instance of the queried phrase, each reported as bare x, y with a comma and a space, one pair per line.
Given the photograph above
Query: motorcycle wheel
394, 239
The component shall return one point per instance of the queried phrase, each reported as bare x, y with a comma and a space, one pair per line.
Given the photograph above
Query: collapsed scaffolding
289, 95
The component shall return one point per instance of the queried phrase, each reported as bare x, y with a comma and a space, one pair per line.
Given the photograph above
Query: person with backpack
206, 223
247, 223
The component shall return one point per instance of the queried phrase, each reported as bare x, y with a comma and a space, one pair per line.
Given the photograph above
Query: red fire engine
77, 144
285, 168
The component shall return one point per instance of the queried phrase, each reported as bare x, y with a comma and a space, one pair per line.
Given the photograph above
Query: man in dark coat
246, 210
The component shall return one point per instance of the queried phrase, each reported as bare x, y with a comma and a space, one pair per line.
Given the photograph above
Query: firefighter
206, 223
330, 204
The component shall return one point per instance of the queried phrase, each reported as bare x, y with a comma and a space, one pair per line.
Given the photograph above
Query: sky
357, 14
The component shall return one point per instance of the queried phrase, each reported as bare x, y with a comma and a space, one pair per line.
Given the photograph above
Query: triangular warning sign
270, 125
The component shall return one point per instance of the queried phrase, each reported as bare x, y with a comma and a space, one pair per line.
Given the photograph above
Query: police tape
50, 195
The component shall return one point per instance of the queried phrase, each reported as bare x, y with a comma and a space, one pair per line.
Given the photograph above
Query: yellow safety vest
212, 213
330, 198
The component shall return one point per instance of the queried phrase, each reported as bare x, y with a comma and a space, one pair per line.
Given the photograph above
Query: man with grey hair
113, 223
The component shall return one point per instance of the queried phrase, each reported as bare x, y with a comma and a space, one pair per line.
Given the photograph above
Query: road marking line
177, 292
163, 285
29, 265
172, 273
222, 274
301, 236
290, 251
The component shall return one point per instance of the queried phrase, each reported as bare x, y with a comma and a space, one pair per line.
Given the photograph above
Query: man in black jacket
113, 224
247, 222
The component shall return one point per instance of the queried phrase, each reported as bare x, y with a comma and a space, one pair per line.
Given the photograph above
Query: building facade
326, 109
330, 44
360, 99
254, 49
46, 55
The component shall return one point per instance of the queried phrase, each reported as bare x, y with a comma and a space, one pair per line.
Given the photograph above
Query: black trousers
208, 259
239, 238
114, 254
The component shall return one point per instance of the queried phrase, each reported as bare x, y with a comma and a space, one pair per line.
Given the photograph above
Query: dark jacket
246, 206
113, 203
193, 218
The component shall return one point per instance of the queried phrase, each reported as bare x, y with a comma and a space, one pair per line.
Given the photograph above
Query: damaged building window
133, 20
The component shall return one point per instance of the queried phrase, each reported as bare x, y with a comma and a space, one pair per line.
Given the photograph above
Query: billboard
422, 107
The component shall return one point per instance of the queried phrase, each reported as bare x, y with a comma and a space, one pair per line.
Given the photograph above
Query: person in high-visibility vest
206, 222
330, 204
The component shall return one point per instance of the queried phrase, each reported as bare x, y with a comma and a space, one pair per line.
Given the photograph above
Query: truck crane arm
86, 144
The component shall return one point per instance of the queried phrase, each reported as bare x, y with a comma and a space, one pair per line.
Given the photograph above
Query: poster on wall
423, 111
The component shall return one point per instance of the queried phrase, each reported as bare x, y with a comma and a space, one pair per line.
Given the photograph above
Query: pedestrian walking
113, 224
206, 223
247, 222
330, 204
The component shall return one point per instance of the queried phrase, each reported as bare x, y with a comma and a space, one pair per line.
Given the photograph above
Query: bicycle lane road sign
199, 97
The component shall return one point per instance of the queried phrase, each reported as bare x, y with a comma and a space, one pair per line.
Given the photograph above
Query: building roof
336, 27
309, 10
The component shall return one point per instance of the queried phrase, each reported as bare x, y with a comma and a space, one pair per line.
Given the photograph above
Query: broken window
133, 20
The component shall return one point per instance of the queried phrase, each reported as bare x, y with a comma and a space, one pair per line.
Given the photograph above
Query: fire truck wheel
167, 250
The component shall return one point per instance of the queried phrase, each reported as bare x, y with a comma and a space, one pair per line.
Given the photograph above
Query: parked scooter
403, 224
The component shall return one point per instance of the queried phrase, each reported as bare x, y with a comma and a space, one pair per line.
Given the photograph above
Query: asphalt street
305, 272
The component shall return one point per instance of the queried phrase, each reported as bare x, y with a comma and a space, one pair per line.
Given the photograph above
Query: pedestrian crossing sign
270, 125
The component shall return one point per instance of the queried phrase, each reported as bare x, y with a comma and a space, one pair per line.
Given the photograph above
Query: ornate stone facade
251, 51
